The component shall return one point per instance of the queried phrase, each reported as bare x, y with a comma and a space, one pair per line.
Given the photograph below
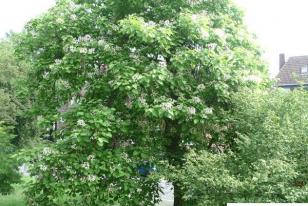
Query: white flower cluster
162, 61
107, 46
227, 76
83, 50
74, 146
43, 168
81, 123
91, 157
85, 165
63, 83
206, 112
133, 53
47, 151
196, 100
92, 178
152, 56
55, 174
194, 2
71, 49
204, 33
191, 110
91, 75
199, 18
136, 77
128, 103
46, 75
180, 107
253, 78
111, 187
167, 23
58, 61
201, 87
73, 17
126, 157
163, 64
59, 21
142, 100
194, 18
111, 83
85, 38
212, 46
91, 51
160, 58
167, 106
150, 24
72, 5
132, 50
101, 42
89, 178
220, 33
80, 49
149, 9
40, 50
198, 48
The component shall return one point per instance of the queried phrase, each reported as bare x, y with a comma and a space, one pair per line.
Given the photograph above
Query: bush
14, 199
268, 160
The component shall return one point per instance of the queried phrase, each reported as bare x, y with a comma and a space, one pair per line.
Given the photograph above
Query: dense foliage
9, 73
126, 86
268, 161
14, 123
8, 167
14, 99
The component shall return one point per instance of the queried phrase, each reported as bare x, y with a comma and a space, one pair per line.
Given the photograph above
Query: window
304, 70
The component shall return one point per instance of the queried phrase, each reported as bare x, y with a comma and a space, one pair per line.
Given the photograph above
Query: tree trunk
178, 201
175, 156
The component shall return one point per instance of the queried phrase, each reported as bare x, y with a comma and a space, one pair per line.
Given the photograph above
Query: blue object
145, 169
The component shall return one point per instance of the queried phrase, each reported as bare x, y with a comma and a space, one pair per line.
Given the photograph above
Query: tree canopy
15, 124
123, 85
14, 100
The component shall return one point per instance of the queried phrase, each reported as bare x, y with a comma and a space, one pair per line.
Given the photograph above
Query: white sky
15, 13
280, 25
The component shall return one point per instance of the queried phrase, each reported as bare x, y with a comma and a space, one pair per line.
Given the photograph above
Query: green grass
14, 199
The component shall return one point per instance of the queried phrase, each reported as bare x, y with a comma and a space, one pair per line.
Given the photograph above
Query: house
293, 73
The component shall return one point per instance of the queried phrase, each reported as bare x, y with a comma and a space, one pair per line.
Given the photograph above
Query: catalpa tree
126, 88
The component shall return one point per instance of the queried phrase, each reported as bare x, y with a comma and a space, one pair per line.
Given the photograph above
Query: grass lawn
14, 199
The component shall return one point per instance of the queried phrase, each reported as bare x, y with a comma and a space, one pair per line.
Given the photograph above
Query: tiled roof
290, 73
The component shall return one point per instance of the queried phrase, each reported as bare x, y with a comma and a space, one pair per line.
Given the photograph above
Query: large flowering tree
127, 87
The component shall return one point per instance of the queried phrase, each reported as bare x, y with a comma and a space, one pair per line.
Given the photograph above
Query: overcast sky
15, 13
280, 25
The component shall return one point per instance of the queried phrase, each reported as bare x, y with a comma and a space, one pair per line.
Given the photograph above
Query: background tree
267, 162
126, 84
14, 99
8, 167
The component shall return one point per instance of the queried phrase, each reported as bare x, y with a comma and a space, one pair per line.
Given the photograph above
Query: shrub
267, 161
